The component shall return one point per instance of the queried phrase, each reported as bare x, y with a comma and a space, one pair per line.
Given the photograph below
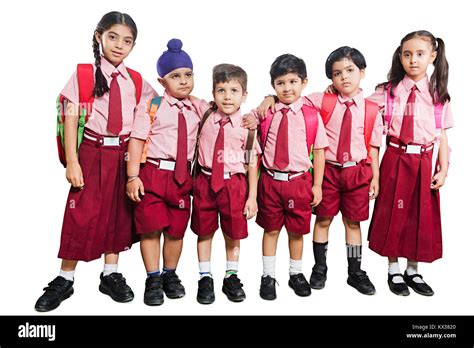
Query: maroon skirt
406, 221
98, 218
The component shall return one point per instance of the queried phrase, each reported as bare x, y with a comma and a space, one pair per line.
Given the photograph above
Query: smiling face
346, 77
117, 43
289, 87
179, 83
228, 96
416, 54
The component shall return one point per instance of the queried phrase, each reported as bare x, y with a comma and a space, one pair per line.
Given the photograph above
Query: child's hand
438, 180
317, 195
74, 175
249, 121
268, 102
374, 188
134, 189
330, 89
251, 208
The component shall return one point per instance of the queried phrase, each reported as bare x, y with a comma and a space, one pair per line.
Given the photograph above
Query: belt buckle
281, 176
111, 141
226, 175
167, 165
349, 164
413, 149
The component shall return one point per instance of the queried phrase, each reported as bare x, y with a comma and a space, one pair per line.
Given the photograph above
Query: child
287, 191
98, 217
406, 221
221, 186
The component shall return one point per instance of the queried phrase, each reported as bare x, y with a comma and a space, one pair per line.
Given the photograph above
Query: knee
323, 222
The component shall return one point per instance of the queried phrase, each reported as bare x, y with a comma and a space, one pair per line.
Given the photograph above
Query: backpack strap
265, 127
389, 106
249, 145
152, 108
85, 81
327, 106
310, 115
371, 112
138, 82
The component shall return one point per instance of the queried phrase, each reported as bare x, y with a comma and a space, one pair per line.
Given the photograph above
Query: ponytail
101, 86
439, 79
396, 73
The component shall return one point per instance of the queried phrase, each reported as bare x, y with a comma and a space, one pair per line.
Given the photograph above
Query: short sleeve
377, 132
447, 116
321, 141
315, 100
141, 122
71, 90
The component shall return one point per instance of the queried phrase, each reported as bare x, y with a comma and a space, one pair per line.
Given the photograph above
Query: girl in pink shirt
98, 216
406, 221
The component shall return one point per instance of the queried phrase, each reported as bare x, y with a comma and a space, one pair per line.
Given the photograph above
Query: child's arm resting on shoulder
437, 181
73, 168
251, 206
374, 183
134, 184
319, 161
268, 103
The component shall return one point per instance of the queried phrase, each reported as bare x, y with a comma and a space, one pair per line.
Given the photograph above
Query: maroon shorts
166, 205
228, 203
346, 190
285, 203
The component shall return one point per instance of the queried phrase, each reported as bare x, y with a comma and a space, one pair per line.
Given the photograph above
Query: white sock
231, 268
412, 268
110, 268
67, 275
269, 266
296, 266
205, 269
394, 268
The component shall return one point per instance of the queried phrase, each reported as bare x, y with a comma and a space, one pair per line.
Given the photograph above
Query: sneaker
318, 277
57, 291
420, 288
400, 289
361, 282
172, 285
299, 284
205, 293
232, 287
153, 291
267, 288
116, 287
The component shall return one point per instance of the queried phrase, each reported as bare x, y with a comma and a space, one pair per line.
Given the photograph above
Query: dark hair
287, 64
439, 78
345, 52
229, 72
108, 20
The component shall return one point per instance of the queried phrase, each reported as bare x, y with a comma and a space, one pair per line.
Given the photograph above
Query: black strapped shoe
267, 288
116, 287
299, 284
420, 288
153, 291
172, 285
205, 293
318, 277
400, 289
361, 282
232, 287
57, 291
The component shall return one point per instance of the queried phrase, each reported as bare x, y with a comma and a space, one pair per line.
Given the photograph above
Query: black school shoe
116, 287
153, 291
172, 285
267, 288
232, 287
318, 277
299, 284
400, 289
361, 282
205, 293
57, 291
420, 288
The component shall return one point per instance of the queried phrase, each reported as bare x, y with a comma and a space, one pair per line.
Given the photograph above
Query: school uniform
167, 200
346, 183
228, 200
406, 221
285, 191
98, 218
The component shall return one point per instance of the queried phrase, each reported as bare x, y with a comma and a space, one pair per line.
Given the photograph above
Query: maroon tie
281, 151
344, 145
408, 123
217, 177
114, 122
181, 169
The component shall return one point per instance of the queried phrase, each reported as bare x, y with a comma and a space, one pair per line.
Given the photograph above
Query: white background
41, 43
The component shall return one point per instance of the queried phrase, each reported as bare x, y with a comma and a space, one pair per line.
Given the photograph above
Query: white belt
163, 164
412, 149
345, 165
107, 141
283, 176
227, 175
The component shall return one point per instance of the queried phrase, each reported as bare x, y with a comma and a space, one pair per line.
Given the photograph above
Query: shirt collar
173, 101
108, 68
358, 98
422, 85
295, 106
234, 118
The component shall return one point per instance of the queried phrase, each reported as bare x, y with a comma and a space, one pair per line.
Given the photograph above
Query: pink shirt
425, 126
164, 130
297, 147
235, 141
333, 127
100, 110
